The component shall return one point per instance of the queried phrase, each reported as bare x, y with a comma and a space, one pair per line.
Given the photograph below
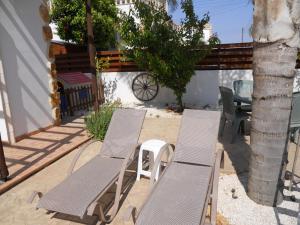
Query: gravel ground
154, 111
161, 110
243, 211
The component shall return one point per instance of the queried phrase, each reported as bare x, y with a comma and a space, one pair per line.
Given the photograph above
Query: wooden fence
223, 57
73, 62
228, 57
75, 99
117, 62
59, 48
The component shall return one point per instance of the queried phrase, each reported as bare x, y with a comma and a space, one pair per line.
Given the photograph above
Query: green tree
70, 18
168, 51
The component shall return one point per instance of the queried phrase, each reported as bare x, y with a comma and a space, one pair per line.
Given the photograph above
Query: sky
227, 18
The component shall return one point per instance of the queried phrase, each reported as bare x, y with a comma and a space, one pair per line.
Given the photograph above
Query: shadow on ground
236, 160
35, 148
236, 154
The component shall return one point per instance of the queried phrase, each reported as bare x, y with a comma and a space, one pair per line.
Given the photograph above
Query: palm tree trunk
273, 71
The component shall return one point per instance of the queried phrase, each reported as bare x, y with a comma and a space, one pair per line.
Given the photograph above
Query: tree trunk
273, 71
92, 56
180, 103
3, 168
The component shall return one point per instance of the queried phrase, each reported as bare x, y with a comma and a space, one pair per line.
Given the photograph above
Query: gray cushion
197, 138
178, 198
123, 132
75, 193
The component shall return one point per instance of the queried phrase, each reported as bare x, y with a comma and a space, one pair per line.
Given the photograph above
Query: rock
56, 116
44, 13
50, 52
53, 85
47, 33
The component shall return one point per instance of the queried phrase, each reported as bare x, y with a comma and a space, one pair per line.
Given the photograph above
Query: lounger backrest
196, 142
123, 132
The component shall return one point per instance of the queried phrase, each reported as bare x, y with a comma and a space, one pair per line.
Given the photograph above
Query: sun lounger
189, 183
79, 193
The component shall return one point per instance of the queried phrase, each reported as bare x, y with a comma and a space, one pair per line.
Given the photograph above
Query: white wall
207, 34
125, 8
24, 52
54, 31
125, 5
3, 115
226, 77
202, 90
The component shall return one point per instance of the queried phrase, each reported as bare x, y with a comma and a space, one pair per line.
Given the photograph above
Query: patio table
247, 107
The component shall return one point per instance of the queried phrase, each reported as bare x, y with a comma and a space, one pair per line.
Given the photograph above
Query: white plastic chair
154, 146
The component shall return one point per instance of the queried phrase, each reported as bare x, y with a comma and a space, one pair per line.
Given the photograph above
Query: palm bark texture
276, 41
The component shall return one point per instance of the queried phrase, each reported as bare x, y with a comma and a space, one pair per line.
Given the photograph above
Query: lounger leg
140, 165
33, 195
80, 151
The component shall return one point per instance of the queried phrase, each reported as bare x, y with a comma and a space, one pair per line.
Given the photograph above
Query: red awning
74, 78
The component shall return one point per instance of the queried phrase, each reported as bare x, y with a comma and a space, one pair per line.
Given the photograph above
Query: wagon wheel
144, 87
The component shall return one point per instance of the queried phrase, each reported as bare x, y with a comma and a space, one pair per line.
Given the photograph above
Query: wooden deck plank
36, 152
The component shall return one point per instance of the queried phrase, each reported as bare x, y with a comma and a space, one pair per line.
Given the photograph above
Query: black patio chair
231, 113
244, 89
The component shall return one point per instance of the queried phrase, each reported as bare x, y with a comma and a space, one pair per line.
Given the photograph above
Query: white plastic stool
154, 146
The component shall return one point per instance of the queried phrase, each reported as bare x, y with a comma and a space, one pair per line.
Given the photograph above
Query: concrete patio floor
15, 210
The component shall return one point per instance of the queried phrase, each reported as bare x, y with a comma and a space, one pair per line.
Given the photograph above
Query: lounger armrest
158, 160
115, 207
77, 156
214, 191
171, 148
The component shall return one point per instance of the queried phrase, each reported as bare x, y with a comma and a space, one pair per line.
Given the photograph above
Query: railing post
3, 168
69, 102
76, 99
